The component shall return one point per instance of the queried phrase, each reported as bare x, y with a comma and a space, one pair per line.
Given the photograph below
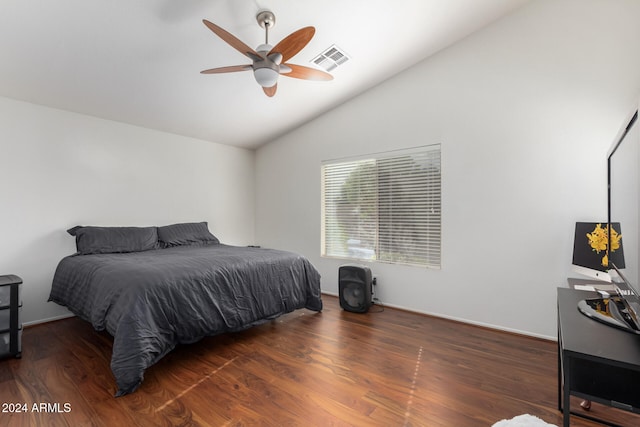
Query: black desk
595, 361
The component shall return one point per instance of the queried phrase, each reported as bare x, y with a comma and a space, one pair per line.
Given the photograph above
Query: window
384, 207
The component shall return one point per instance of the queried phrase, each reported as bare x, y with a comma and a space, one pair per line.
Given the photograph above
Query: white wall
525, 111
60, 169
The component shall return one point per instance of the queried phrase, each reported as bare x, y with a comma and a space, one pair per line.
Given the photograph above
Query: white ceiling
139, 61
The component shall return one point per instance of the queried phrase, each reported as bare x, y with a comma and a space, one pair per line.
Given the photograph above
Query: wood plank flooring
383, 368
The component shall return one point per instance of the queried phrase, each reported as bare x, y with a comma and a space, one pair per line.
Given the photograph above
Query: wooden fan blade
230, 69
293, 43
306, 73
232, 40
270, 91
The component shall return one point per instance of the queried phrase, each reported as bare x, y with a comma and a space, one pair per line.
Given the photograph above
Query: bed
152, 288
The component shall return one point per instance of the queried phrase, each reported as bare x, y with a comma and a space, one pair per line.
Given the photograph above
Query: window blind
384, 207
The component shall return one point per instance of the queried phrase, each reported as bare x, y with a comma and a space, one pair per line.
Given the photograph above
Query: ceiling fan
269, 62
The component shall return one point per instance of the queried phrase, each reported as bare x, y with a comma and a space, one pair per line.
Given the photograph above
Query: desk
595, 361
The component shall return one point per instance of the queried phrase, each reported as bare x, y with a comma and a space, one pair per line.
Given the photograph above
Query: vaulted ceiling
139, 61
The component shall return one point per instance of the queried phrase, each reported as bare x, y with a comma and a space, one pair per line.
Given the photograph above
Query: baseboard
399, 307
48, 319
467, 321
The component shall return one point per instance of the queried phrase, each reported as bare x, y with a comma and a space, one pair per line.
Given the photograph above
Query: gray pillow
106, 240
188, 233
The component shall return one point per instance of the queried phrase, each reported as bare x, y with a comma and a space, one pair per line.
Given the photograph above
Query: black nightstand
10, 308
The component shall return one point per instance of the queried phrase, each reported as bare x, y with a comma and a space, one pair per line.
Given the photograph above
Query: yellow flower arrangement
599, 239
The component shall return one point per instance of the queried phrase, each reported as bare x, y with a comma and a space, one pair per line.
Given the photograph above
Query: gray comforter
150, 301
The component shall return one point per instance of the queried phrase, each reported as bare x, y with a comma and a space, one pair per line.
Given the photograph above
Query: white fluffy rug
525, 420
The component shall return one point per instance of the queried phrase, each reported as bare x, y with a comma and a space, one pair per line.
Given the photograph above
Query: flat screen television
622, 309
623, 170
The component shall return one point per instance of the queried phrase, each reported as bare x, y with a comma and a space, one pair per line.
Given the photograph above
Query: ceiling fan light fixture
268, 62
266, 77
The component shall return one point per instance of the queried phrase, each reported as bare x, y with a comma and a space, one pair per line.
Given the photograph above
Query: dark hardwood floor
335, 368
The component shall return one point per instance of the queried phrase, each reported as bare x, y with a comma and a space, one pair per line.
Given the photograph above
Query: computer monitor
591, 254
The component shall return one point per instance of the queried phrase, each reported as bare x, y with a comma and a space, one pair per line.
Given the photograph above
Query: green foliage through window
384, 208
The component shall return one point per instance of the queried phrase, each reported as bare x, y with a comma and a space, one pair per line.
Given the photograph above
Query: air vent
331, 58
